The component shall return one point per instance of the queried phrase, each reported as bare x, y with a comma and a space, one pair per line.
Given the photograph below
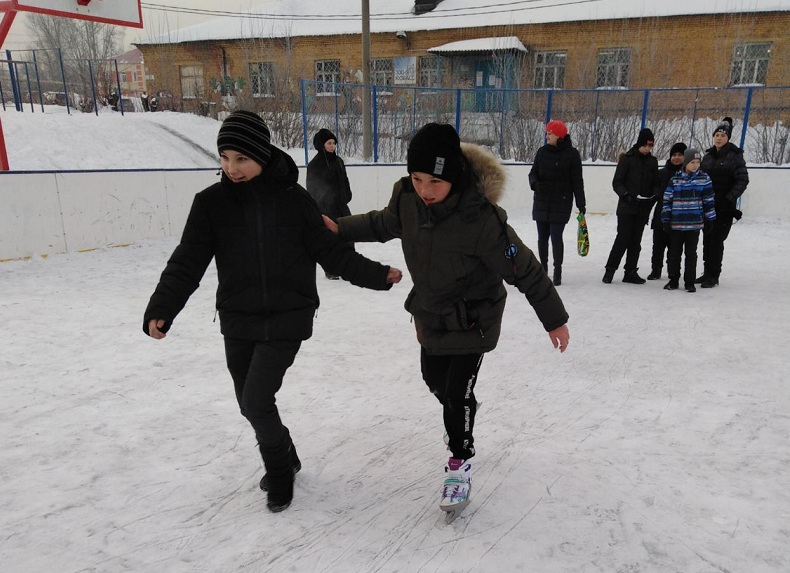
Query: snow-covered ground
659, 442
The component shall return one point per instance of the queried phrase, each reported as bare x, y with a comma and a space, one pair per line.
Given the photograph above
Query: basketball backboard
118, 12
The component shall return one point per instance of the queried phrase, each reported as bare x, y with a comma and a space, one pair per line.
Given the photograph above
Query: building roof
487, 45
131, 57
294, 18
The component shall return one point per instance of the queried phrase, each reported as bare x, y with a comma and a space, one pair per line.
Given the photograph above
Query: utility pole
367, 132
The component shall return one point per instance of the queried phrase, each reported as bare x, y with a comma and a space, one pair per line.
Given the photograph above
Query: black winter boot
558, 249
608, 276
655, 274
295, 463
279, 477
633, 278
673, 284
709, 282
557, 275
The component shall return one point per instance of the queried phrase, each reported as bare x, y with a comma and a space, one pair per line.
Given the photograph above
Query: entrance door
487, 79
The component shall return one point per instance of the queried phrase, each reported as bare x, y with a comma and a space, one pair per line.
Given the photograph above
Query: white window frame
327, 72
613, 68
750, 63
262, 79
550, 70
192, 82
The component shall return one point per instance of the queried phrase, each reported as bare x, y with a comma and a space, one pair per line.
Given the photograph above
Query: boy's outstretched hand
560, 337
153, 328
330, 224
394, 276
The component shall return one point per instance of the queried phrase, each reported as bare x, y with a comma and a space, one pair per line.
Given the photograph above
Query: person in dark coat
266, 235
636, 183
556, 179
458, 249
725, 165
660, 237
327, 180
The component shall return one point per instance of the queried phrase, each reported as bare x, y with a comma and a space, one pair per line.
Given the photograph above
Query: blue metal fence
511, 122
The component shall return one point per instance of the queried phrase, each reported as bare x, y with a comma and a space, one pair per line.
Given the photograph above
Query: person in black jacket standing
556, 179
725, 165
266, 235
327, 181
636, 183
661, 237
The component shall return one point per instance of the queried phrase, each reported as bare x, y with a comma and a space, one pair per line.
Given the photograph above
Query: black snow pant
660, 244
713, 245
681, 242
452, 380
257, 369
628, 242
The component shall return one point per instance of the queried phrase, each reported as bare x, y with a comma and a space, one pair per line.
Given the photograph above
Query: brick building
575, 45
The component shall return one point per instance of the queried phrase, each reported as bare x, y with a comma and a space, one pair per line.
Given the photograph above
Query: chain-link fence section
511, 123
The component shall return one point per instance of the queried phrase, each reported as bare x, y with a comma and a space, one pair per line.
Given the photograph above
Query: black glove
582, 210
667, 227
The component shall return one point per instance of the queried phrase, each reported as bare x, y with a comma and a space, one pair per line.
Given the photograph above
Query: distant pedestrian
556, 179
636, 183
327, 180
688, 207
725, 165
660, 238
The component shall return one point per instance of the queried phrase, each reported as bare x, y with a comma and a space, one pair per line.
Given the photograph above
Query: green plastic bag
582, 236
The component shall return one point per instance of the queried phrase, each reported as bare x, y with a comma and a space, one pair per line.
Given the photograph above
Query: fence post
63, 75
746, 115
593, 151
694, 115
304, 118
29, 88
93, 89
458, 110
375, 96
118, 83
12, 78
38, 81
645, 102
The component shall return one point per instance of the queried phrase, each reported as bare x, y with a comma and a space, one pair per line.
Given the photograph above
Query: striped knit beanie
246, 132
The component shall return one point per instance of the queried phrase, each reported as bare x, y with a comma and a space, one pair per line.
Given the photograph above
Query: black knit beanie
246, 132
436, 149
645, 137
679, 147
724, 126
321, 137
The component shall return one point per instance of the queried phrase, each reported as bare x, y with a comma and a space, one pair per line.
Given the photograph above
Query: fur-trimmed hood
491, 176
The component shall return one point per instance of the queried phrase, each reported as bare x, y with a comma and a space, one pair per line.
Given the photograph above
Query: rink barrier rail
51, 212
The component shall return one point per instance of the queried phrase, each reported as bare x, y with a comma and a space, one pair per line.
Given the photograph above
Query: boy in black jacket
266, 235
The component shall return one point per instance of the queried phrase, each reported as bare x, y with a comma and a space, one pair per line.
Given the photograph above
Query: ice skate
456, 489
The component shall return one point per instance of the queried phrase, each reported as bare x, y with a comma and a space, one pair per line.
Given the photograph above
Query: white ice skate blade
453, 511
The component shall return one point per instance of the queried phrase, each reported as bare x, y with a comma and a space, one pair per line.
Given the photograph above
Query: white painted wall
48, 213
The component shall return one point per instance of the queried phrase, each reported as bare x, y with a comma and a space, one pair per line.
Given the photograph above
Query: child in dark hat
459, 249
266, 296
726, 166
660, 238
688, 207
637, 186
327, 180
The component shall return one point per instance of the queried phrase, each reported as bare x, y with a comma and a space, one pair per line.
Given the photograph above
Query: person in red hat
556, 179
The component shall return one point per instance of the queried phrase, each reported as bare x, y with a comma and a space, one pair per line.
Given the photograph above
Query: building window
191, 81
550, 70
262, 79
432, 70
381, 71
613, 67
327, 72
749, 64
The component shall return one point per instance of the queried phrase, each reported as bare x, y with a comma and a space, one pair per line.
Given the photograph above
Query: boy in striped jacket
689, 206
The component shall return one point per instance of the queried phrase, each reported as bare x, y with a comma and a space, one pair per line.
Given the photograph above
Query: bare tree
73, 43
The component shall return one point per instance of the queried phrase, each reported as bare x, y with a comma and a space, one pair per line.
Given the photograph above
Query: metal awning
484, 45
